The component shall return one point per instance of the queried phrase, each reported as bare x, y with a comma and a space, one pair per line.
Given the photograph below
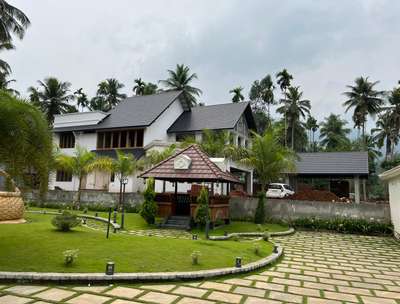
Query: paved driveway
317, 268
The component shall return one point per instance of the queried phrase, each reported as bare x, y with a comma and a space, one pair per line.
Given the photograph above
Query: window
63, 176
120, 139
67, 140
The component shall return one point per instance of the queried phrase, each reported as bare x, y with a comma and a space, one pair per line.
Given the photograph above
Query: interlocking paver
124, 292
291, 298
238, 282
340, 296
190, 291
55, 294
159, 298
304, 291
9, 299
25, 290
216, 286
319, 286
354, 290
88, 298
387, 294
250, 291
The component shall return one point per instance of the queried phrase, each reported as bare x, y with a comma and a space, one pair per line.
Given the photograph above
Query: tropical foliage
181, 80
333, 133
237, 94
149, 206
25, 141
202, 211
12, 22
52, 97
108, 95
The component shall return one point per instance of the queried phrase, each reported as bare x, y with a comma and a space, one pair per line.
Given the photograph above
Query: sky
324, 44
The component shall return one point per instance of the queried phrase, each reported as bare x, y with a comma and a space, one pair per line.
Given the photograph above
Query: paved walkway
318, 268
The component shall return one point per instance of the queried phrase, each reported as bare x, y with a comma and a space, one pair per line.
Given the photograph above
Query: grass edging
139, 277
250, 234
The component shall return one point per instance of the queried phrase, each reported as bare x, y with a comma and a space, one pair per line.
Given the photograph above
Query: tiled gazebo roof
201, 168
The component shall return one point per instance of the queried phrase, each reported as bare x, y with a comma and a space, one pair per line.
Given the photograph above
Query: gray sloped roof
333, 163
136, 111
220, 116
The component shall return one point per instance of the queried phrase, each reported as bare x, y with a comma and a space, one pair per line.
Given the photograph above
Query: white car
278, 190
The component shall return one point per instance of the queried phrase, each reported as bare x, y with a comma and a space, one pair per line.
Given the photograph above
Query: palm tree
80, 165
5, 68
333, 133
312, 126
268, 158
262, 95
180, 79
12, 21
237, 94
5, 83
154, 157
371, 147
81, 99
53, 97
139, 86
284, 79
364, 99
123, 166
108, 94
150, 89
294, 108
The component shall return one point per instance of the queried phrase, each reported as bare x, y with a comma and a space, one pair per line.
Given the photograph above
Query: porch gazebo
191, 165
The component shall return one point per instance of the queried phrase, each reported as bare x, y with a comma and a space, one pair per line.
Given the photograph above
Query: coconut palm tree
385, 134
139, 86
364, 99
108, 95
312, 126
52, 98
5, 68
294, 109
80, 165
5, 84
180, 79
81, 99
237, 94
12, 22
284, 80
150, 88
333, 133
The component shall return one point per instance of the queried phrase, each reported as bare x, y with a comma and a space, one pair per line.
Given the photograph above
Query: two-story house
142, 123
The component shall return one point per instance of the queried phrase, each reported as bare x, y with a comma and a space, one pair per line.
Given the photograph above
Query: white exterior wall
394, 197
158, 130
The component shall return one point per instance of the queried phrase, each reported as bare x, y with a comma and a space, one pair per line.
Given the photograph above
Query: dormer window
120, 139
67, 140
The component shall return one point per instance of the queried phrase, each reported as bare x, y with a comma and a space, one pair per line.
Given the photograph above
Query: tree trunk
78, 195
363, 136
120, 193
293, 123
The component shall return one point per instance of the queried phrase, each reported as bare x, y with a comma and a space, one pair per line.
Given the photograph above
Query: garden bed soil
314, 195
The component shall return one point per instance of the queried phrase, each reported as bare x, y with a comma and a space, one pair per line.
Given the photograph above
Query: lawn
37, 246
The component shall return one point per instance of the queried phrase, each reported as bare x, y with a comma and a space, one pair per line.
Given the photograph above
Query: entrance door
182, 204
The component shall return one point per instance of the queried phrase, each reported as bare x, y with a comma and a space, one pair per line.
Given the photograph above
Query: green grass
37, 246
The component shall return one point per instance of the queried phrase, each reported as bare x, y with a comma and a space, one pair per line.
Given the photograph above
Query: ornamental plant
65, 221
70, 256
149, 206
195, 257
203, 210
259, 216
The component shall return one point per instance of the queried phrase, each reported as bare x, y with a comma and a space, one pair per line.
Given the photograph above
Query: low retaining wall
281, 209
101, 198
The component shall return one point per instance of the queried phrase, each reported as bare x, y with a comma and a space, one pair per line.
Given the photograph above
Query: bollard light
84, 221
194, 236
238, 262
110, 268
115, 216
96, 214
276, 248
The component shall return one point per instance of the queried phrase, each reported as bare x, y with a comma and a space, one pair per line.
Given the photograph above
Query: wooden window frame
128, 143
66, 140
63, 176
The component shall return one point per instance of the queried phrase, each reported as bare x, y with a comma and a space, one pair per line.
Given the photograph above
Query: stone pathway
318, 268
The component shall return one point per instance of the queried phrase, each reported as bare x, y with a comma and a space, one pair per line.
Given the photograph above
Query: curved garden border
250, 234
138, 276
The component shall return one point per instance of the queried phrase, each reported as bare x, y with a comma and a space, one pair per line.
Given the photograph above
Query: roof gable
214, 117
201, 168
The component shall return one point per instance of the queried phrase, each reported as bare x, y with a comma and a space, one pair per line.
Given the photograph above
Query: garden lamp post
124, 181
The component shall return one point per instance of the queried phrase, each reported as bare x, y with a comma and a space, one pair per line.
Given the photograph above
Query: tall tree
52, 97
139, 86
371, 147
237, 94
108, 95
81, 99
25, 140
312, 126
333, 133
5, 68
294, 109
150, 89
284, 80
5, 84
262, 95
180, 79
385, 134
12, 22
364, 99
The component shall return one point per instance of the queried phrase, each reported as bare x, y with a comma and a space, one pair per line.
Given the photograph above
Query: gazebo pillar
357, 189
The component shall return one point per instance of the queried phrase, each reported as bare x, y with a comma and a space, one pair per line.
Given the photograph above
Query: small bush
257, 250
266, 236
70, 256
259, 217
65, 221
203, 210
195, 257
344, 225
149, 207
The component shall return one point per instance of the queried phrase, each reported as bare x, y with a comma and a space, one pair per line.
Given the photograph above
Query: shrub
149, 206
202, 211
70, 256
259, 217
266, 236
195, 257
257, 249
65, 221
344, 225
